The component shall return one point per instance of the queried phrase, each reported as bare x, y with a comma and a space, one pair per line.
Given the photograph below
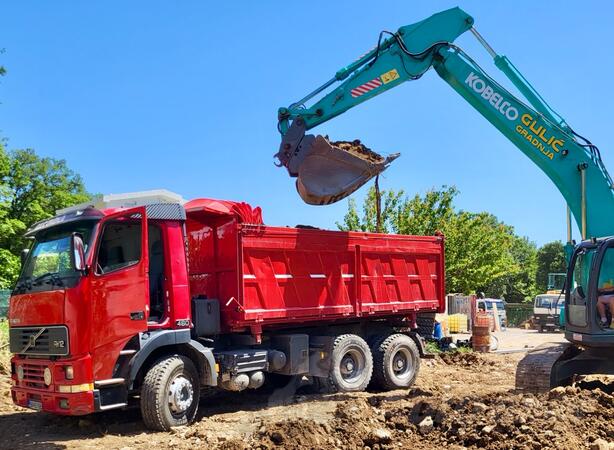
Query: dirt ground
461, 400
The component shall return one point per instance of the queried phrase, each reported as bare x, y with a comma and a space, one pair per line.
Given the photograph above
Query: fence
517, 313
4, 303
459, 304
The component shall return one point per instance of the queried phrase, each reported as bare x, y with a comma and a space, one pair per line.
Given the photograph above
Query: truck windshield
500, 305
49, 263
549, 301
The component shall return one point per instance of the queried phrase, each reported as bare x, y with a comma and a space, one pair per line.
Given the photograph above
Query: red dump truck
146, 300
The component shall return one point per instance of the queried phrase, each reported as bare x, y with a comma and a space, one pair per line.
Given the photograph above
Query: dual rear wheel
396, 361
391, 362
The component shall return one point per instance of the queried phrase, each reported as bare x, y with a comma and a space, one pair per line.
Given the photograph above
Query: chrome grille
47, 341
33, 376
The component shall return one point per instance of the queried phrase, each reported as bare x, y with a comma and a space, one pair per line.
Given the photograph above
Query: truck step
127, 352
109, 382
113, 406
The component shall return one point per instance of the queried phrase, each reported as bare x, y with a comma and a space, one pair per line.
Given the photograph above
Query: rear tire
396, 362
426, 324
170, 393
351, 366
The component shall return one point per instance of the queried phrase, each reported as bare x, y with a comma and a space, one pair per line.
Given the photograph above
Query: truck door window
120, 245
156, 273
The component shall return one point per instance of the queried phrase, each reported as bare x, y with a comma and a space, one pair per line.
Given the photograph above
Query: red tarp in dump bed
243, 211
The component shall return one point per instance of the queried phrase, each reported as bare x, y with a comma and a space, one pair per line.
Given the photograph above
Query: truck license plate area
35, 405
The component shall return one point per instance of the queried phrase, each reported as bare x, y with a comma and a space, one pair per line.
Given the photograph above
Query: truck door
120, 286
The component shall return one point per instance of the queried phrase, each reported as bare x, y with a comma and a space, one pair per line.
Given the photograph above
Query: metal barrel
481, 333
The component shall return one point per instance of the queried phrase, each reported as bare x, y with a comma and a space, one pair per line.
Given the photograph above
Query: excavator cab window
605, 287
582, 263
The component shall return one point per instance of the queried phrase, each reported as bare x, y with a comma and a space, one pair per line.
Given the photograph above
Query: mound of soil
466, 359
564, 418
359, 150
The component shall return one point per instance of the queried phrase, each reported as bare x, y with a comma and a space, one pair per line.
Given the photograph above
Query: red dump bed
265, 275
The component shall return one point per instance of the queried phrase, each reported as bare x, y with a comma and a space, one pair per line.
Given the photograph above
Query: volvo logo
32, 340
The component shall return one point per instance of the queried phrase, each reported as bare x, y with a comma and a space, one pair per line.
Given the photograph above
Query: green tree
518, 284
477, 251
550, 259
352, 221
32, 188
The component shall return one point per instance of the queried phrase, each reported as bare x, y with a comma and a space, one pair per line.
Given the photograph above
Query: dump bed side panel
405, 278
303, 275
293, 275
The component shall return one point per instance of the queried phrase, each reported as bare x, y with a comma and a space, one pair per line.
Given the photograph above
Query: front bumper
62, 396
546, 320
53, 402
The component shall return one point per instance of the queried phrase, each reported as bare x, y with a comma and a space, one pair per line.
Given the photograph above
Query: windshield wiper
53, 277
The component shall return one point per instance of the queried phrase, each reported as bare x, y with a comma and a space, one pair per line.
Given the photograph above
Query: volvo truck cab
94, 284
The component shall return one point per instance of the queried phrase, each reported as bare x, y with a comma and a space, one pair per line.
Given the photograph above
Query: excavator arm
327, 172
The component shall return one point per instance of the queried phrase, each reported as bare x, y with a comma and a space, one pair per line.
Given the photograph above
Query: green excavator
328, 171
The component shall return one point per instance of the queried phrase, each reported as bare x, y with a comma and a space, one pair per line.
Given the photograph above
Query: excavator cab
590, 299
588, 326
326, 171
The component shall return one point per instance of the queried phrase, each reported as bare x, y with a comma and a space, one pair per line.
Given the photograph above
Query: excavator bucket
330, 171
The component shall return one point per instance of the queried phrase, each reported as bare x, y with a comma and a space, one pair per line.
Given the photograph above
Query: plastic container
457, 323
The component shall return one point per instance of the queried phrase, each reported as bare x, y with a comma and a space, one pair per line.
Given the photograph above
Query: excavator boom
327, 173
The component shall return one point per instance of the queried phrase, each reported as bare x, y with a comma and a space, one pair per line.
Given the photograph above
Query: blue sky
184, 95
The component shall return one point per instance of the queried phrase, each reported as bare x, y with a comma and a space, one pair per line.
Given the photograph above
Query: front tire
170, 393
396, 362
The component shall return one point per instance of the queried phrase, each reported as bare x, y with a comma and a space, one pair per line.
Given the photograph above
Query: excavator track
534, 371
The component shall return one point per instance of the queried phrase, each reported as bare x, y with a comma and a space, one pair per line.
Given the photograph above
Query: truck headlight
20, 374
69, 372
47, 376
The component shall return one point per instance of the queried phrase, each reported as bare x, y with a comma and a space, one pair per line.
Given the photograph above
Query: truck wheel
351, 365
396, 362
170, 393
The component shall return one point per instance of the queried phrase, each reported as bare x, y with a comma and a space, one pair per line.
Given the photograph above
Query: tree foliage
32, 188
482, 253
550, 259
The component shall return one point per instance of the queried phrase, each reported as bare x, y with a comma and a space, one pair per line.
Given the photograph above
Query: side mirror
24, 255
78, 252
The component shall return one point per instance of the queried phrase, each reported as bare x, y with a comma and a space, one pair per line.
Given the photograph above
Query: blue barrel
438, 331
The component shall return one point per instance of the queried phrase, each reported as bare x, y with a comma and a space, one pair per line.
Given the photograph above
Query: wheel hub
401, 364
180, 394
351, 365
